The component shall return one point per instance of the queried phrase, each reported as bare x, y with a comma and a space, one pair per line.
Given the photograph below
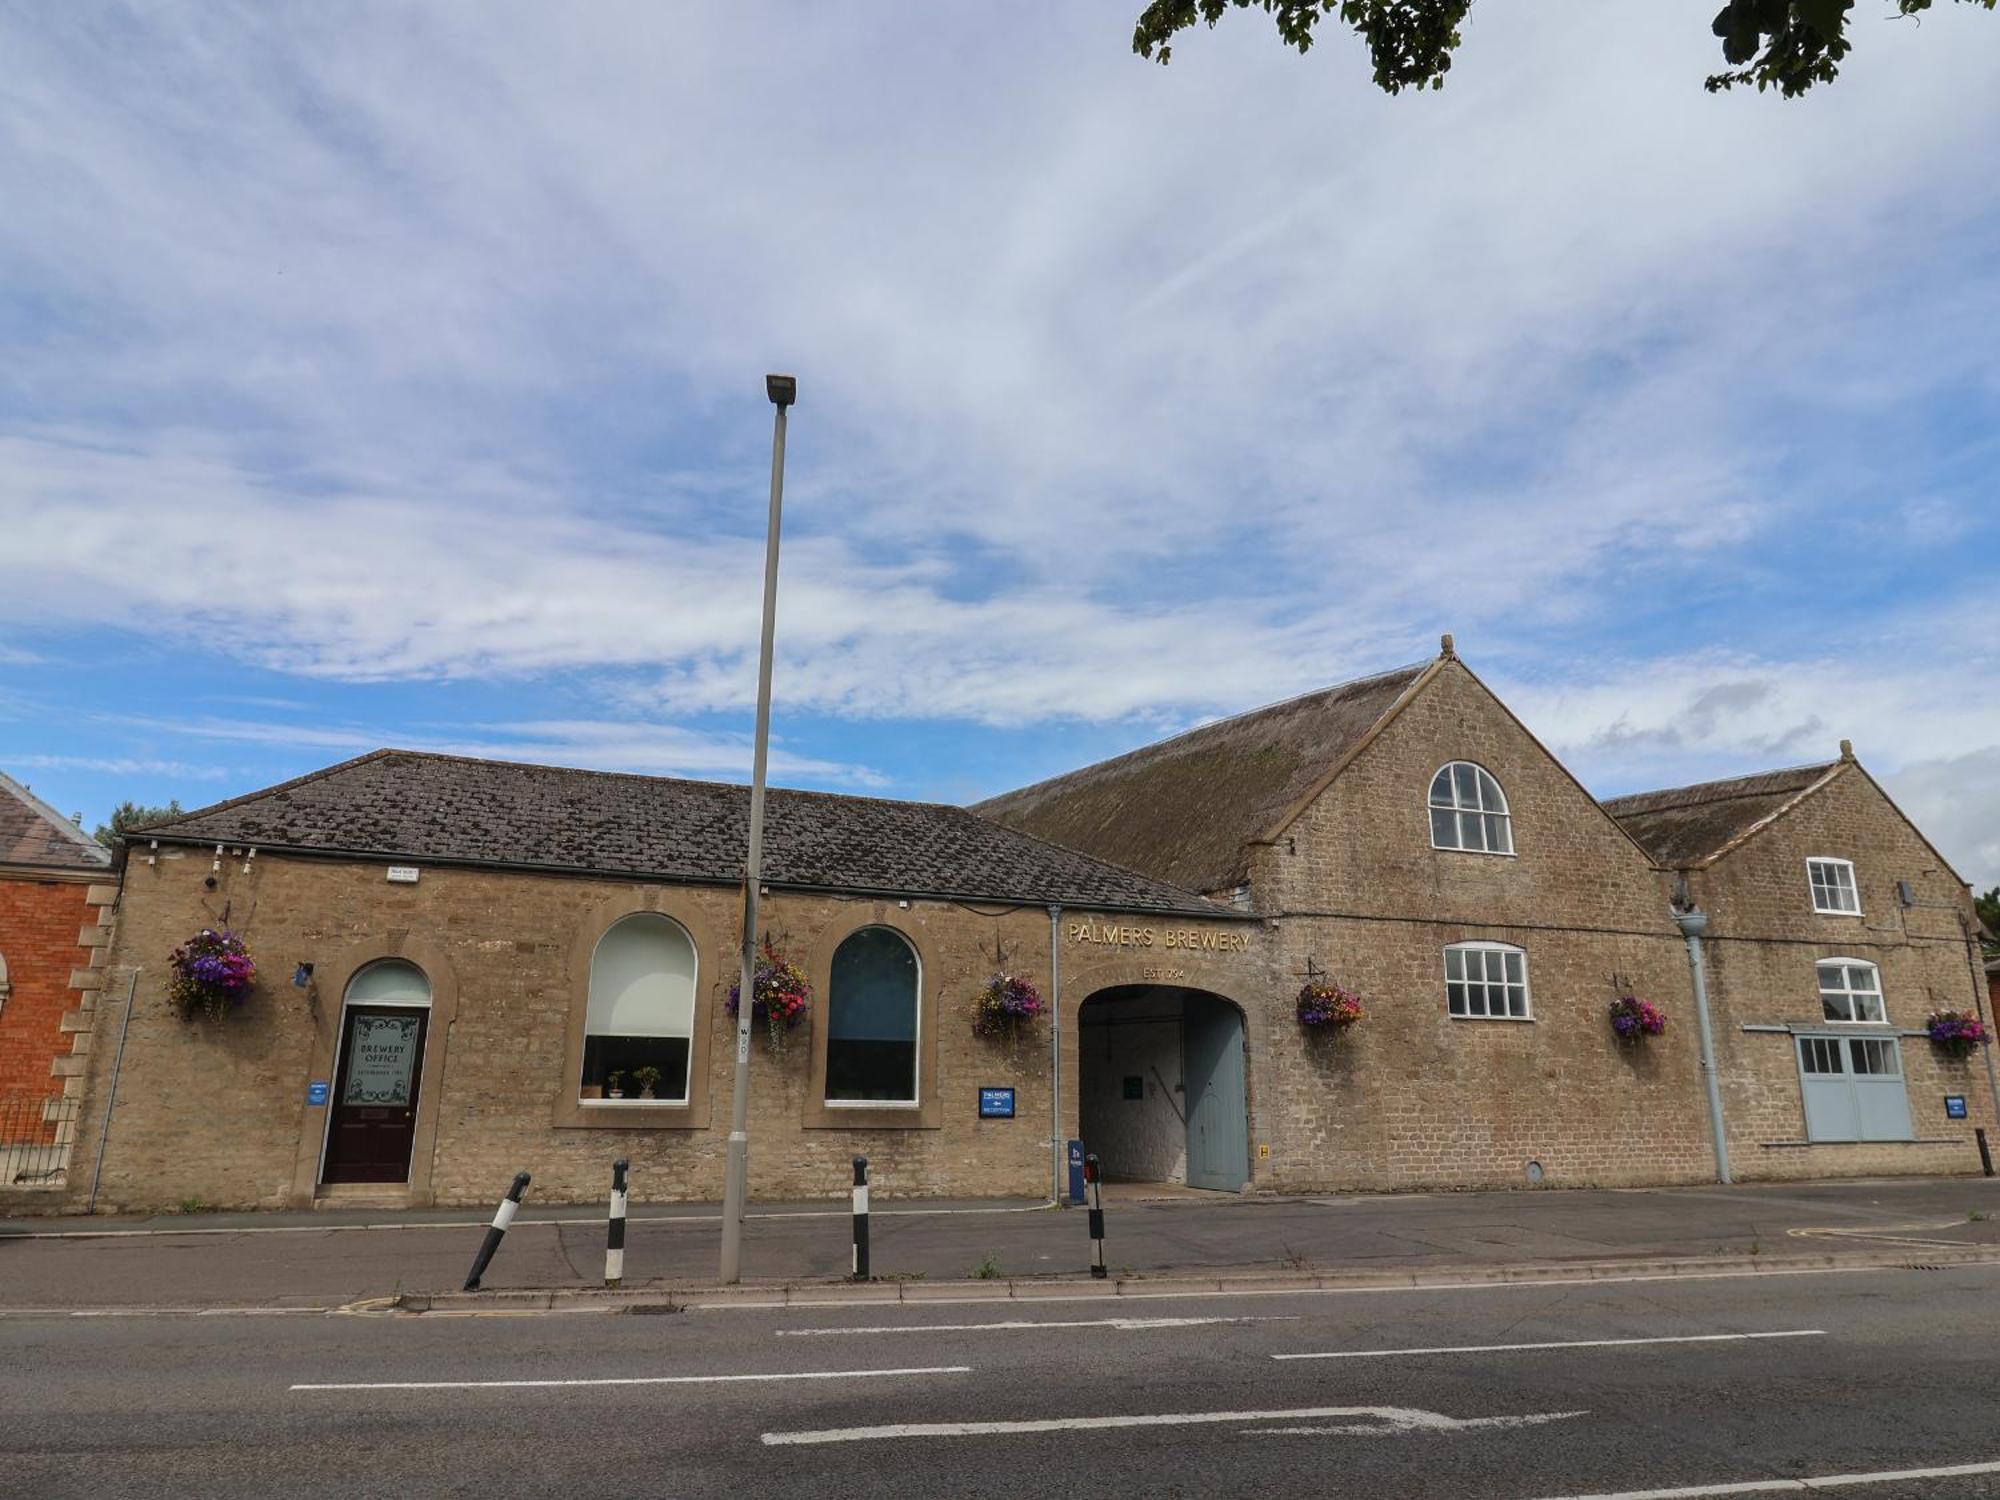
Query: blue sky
395, 377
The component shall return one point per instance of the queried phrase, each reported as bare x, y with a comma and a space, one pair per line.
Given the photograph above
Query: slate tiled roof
1186, 810
1687, 825
33, 833
412, 805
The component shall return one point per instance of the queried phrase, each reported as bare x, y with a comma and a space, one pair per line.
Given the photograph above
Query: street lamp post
783, 391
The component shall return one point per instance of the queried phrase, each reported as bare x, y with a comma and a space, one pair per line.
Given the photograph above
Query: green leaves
1789, 45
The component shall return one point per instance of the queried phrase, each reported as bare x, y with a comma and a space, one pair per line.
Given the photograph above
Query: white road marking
1387, 1420
1689, 1338
1813, 1485
1122, 1325
1023, 1291
501, 1385
1468, 1424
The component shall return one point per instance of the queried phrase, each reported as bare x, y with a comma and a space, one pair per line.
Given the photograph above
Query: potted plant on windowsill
648, 1079
612, 1082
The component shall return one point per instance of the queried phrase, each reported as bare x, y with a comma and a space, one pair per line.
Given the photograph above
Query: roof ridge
1154, 747
49, 814
1816, 767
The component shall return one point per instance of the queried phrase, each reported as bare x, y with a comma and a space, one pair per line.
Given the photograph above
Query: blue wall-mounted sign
996, 1104
1076, 1171
1954, 1106
316, 1091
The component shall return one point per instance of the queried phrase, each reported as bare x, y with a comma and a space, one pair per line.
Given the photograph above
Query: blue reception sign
1076, 1171
316, 1091
996, 1104
1954, 1106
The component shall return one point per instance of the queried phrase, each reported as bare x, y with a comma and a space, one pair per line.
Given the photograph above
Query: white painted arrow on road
1381, 1421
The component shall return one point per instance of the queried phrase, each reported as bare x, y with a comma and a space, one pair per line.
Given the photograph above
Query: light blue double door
1218, 1121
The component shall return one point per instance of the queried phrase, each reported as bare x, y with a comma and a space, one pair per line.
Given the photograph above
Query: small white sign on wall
403, 874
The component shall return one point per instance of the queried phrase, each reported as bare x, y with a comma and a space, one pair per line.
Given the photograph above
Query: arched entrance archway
1161, 1093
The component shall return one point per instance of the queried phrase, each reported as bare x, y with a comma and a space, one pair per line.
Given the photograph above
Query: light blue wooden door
1218, 1126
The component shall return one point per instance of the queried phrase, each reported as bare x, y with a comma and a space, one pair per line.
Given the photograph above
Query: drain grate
1923, 1268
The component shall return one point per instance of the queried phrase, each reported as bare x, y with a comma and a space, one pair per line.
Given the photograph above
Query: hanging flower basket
1326, 1009
782, 996
213, 973
1006, 1007
1633, 1019
1958, 1032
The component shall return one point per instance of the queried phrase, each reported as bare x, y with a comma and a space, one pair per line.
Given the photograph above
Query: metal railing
36, 1132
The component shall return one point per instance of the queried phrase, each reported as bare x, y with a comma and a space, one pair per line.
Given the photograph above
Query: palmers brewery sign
1175, 939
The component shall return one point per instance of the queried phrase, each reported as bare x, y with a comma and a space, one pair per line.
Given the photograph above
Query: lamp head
782, 389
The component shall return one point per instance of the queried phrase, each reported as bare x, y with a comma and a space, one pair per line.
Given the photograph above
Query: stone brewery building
469, 968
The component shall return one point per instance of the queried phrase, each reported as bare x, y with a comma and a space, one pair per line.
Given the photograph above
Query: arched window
389, 981
1469, 811
1850, 989
1486, 981
639, 1022
871, 1020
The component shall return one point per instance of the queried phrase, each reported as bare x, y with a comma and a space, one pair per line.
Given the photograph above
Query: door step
361, 1195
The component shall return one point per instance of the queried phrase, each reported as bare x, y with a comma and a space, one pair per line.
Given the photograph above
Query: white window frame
916, 1099
1881, 999
1481, 779
1853, 883
694, 1023
1527, 990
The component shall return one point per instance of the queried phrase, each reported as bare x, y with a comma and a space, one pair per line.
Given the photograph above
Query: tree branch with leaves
1787, 45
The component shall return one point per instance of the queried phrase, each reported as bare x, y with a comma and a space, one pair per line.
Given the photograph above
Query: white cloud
117, 765
426, 345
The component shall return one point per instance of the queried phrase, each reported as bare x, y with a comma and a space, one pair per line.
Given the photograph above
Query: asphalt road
314, 1259
1867, 1372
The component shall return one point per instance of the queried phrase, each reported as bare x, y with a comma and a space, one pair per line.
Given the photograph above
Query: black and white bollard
860, 1218
614, 1235
497, 1231
1985, 1152
1095, 1187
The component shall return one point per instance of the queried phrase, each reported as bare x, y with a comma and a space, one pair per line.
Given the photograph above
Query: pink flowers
1326, 1007
781, 995
1007, 1004
1959, 1032
1633, 1018
213, 973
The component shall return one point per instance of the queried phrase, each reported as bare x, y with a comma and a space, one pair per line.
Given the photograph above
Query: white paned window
639, 1022
1850, 989
1833, 889
1469, 811
1486, 981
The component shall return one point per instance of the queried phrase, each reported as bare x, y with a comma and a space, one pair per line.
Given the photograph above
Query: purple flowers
1327, 1008
1633, 1018
1958, 1032
212, 973
1008, 1003
781, 996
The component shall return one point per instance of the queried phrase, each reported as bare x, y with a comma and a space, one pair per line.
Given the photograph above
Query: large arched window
871, 1020
639, 1023
1469, 811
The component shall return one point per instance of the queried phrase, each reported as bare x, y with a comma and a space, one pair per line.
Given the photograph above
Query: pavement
1872, 1385
330, 1259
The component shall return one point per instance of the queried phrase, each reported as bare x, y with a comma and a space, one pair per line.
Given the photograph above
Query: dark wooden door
375, 1097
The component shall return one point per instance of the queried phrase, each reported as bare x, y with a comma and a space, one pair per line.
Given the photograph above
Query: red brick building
57, 891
